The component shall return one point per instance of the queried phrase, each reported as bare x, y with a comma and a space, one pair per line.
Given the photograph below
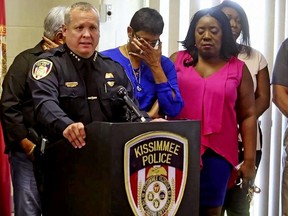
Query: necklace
136, 72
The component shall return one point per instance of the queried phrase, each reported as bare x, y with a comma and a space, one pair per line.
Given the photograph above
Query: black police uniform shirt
17, 113
67, 88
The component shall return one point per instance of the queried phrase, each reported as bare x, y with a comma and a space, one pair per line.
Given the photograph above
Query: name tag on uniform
92, 97
71, 84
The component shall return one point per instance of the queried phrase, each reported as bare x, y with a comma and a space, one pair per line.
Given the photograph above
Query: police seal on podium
155, 171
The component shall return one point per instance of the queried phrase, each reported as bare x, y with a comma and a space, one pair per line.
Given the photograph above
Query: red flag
3, 53
5, 190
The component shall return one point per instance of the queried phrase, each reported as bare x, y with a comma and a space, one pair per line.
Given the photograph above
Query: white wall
114, 31
24, 20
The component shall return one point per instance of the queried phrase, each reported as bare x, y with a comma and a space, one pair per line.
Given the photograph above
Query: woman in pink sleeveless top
218, 90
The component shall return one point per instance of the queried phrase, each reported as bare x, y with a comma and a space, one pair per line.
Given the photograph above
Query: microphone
122, 93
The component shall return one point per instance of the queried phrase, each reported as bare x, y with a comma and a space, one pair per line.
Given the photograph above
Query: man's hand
75, 134
48, 44
28, 147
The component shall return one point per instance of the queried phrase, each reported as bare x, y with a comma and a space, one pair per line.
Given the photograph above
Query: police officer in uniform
71, 86
17, 117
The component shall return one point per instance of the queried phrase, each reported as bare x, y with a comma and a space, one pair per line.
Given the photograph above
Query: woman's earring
129, 36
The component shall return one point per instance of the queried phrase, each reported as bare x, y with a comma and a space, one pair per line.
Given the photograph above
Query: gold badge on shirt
109, 77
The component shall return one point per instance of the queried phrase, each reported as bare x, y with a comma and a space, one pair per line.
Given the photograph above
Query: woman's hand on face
151, 55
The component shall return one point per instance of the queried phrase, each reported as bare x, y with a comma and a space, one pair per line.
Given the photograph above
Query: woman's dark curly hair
228, 48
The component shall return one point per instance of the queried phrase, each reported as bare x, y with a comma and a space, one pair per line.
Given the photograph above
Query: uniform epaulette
108, 58
53, 52
103, 56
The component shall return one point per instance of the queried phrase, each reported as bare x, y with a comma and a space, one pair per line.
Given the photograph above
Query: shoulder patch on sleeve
41, 68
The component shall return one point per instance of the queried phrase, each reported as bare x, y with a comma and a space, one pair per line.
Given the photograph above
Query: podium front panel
93, 178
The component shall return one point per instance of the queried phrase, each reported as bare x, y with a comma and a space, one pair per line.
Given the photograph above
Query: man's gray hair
82, 6
54, 21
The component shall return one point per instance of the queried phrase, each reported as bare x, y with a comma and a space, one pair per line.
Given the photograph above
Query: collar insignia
75, 56
95, 56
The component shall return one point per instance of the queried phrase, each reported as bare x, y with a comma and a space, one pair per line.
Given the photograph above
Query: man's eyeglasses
154, 44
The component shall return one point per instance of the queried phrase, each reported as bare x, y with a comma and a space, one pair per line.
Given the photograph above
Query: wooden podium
94, 180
